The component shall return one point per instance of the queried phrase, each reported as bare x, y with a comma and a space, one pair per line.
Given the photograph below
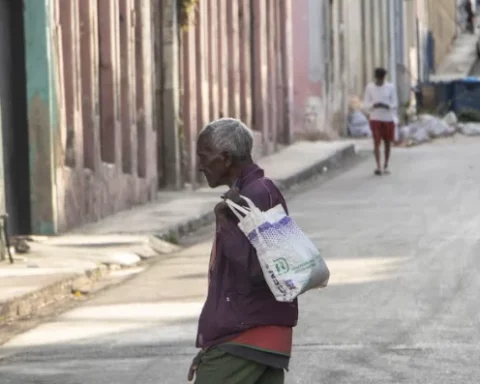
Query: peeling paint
43, 207
42, 114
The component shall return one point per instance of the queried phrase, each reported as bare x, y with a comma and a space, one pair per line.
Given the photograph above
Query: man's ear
227, 158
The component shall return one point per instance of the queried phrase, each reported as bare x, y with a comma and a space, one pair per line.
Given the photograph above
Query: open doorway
14, 117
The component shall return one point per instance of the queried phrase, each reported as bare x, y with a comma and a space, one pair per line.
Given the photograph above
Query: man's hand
222, 210
233, 194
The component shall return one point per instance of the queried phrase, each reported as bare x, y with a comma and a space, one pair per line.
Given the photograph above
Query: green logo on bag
281, 266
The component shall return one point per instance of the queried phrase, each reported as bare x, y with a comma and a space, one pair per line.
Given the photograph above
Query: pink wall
303, 87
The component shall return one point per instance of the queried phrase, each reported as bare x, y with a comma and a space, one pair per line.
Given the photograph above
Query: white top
386, 94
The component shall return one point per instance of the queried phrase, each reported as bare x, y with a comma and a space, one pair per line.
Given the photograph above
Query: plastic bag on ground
291, 263
437, 127
413, 135
418, 135
358, 125
433, 126
450, 119
469, 129
404, 133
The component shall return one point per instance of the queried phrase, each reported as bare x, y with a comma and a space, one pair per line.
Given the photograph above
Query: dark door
13, 116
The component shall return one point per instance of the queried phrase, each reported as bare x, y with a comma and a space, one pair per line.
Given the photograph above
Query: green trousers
218, 367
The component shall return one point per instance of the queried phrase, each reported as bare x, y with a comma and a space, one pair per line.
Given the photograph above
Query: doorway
14, 117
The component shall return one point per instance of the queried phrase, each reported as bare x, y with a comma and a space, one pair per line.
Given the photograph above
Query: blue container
444, 93
466, 94
436, 95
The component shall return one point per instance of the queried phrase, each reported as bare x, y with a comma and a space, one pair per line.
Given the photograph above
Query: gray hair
231, 136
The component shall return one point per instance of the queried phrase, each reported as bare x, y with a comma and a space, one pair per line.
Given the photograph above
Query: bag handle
250, 203
237, 209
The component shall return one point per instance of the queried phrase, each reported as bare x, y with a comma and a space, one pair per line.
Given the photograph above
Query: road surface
402, 305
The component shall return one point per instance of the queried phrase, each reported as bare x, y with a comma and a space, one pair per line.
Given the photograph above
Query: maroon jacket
238, 297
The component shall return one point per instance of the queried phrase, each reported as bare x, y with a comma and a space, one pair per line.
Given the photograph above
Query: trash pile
469, 129
426, 128
357, 122
358, 125
421, 130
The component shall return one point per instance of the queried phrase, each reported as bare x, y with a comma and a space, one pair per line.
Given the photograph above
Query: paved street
402, 304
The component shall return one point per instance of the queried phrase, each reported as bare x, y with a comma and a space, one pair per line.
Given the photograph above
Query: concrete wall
309, 65
116, 94
341, 43
382, 33
92, 142
441, 17
235, 60
358, 49
369, 41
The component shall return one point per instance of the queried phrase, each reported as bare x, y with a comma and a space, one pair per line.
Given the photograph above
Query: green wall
42, 114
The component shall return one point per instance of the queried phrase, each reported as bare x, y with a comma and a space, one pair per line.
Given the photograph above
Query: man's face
379, 80
213, 164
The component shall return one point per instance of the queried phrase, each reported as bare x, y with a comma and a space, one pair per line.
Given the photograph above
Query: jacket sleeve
239, 251
236, 246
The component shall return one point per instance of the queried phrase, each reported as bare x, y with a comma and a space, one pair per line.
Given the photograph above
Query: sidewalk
57, 266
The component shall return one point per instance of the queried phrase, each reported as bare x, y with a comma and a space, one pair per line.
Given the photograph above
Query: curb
29, 304
335, 161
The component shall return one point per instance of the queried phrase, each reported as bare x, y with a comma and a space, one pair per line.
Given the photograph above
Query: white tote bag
290, 262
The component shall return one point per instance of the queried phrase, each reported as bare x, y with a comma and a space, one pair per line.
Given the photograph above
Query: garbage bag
469, 129
450, 119
404, 133
358, 125
418, 135
433, 126
413, 135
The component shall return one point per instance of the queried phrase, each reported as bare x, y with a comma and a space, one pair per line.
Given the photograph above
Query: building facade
89, 93
101, 101
14, 159
344, 40
234, 60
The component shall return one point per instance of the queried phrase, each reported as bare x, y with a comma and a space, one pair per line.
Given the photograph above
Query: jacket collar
251, 173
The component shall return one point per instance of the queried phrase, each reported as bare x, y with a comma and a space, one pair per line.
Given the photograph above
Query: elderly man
245, 335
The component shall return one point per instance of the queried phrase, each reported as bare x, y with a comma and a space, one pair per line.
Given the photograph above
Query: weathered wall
441, 21
357, 72
96, 68
309, 66
368, 41
89, 92
338, 44
235, 61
